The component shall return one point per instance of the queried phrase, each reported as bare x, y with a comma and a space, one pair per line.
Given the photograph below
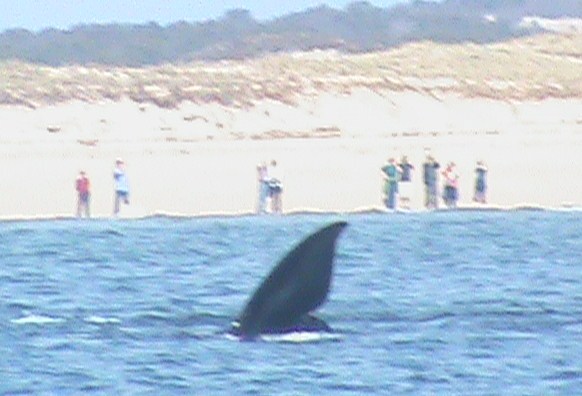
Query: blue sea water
447, 303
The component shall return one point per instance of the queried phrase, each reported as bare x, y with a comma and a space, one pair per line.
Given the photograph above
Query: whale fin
297, 285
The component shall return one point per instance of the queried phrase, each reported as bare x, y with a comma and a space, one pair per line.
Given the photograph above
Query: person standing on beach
83, 187
480, 183
121, 185
263, 181
451, 190
405, 182
391, 176
275, 188
430, 176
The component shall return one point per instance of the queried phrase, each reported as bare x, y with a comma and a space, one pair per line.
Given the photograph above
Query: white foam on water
99, 320
36, 320
301, 337
231, 337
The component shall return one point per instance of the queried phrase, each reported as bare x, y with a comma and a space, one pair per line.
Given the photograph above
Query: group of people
397, 183
270, 188
83, 188
398, 177
397, 186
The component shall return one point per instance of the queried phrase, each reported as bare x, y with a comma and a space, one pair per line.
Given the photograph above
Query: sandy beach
199, 158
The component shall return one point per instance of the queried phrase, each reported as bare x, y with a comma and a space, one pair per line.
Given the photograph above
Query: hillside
358, 28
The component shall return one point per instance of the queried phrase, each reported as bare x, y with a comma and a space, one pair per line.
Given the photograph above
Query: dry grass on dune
547, 65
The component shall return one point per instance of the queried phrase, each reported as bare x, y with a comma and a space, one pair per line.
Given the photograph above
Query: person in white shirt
275, 188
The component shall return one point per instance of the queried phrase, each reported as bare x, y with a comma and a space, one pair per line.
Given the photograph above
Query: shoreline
380, 211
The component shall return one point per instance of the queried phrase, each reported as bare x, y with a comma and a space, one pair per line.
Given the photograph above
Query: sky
36, 15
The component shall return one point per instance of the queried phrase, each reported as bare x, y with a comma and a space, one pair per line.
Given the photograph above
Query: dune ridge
537, 67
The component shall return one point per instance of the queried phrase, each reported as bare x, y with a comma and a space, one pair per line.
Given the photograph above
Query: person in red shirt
83, 187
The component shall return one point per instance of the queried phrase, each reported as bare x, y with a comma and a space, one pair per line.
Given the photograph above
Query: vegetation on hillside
527, 68
358, 28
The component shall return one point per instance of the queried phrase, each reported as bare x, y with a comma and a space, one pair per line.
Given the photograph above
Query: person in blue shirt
121, 185
391, 173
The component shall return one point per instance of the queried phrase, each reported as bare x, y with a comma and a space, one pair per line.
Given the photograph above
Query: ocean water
447, 303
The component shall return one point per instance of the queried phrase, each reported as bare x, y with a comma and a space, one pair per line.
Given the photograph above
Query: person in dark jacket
480, 183
405, 185
430, 178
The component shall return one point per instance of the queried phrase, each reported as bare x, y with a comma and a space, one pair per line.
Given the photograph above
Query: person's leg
396, 195
426, 196
79, 203
429, 197
260, 199
484, 194
277, 202
434, 203
87, 207
405, 195
116, 205
392, 197
264, 197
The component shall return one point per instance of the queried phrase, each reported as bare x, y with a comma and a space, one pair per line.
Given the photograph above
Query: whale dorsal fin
297, 285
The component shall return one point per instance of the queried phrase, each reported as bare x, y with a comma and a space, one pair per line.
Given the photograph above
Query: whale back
298, 284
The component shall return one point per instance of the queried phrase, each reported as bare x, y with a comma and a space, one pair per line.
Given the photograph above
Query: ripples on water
425, 303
